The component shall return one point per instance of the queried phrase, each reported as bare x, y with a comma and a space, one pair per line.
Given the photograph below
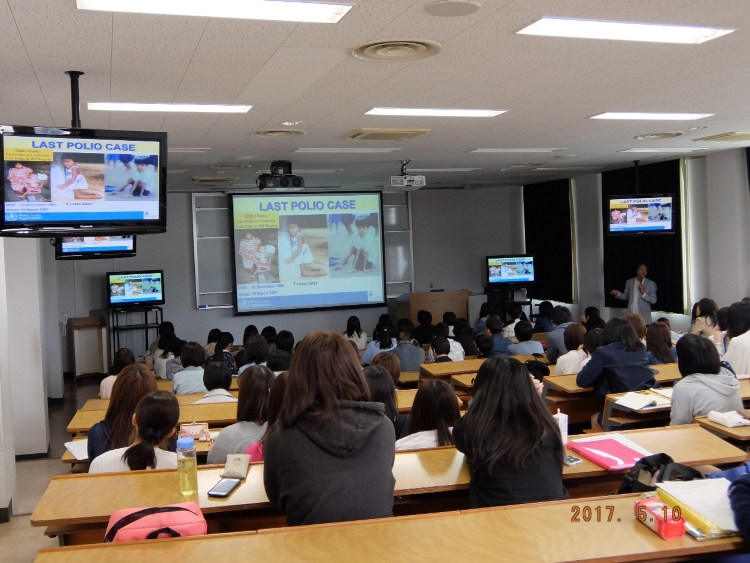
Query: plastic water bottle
562, 421
187, 466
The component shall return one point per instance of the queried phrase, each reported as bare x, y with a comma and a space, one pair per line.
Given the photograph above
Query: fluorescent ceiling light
664, 151
427, 112
352, 150
652, 116
311, 171
622, 31
192, 108
277, 10
566, 168
410, 170
243, 157
514, 150
188, 149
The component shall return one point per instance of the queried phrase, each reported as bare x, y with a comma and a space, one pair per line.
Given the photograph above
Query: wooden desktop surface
739, 433
83, 498
216, 414
166, 385
201, 448
668, 373
188, 399
446, 369
534, 533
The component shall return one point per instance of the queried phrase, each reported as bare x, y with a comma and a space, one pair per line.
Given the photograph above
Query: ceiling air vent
733, 137
374, 134
213, 179
280, 133
657, 136
395, 50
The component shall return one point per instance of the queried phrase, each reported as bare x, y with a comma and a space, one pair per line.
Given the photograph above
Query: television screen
311, 251
135, 289
81, 248
90, 181
636, 214
510, 270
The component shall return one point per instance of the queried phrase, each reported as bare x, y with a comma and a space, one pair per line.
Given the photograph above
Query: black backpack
537, 369
654, 469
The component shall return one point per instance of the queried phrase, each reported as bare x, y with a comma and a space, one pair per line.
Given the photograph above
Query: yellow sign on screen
256, 221
29, 155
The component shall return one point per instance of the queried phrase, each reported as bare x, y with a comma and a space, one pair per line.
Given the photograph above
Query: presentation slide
131, 288
49, 179
82, 245
640, 214
307, 251
514, 269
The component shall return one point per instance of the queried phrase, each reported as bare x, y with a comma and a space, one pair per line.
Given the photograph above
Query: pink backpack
255, 451
176, 520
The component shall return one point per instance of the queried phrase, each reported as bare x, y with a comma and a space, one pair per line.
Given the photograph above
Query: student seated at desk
222, 352
456, 350
155, 420
440, 350
355, 333
621, 365
132, 384
330, 454
165, 328
217, 379
410, 357
591, 341
381, 342
659, 345
122, 359
544, 318
252, 415
485, 344
738, 330
524, 331
383, 391
495, 330
190, 379
425, 332
213, 337
254, 353
433, 414
391, 363
278, 361
513, 314
164, 353
465, 337
484, 313
269, 335
512, 443
705, 385
561, 319
174, 365
285, 342
570, 362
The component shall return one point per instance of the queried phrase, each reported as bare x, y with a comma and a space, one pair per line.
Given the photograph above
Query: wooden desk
166, 385
738, 433
648, 414
523, 358
201, 449
405, 399
86, 501
463, 382
533, 533
408, 377
103, 404
444, 370
216, 414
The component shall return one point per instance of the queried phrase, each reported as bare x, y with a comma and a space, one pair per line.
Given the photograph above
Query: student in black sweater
330, 453
511, 441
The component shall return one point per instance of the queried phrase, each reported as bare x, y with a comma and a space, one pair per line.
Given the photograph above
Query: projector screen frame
509, 284
305, 193
635, 232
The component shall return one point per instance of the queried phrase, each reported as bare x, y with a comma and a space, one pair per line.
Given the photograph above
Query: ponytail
156, 416
224, 340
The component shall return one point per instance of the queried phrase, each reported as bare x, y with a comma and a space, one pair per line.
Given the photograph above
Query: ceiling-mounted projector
407, 181
281, 178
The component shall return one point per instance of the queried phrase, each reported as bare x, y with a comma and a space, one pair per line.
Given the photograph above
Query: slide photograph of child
131, 175
77, 176
303, 246
257, 256
357, 253
27, 181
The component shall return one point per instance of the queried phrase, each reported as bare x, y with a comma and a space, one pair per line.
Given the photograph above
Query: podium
436, 302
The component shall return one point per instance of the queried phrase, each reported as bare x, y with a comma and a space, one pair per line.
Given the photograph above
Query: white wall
696, 235
7, 448
728, 196
53, 364
453, 231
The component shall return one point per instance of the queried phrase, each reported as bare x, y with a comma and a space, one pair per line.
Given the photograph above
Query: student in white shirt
355, 333
433, 414
190, 379
570, 362
217, 379
155, 420
457, 351
123, 358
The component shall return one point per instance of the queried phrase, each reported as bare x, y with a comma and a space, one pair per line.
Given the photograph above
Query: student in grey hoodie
706, 385
329, 455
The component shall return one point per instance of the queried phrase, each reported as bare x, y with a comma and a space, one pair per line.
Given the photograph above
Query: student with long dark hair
620, 365
383, 391
252, 415
381, 342
132, 384
465, 337
484, 313
285, 342
544, 318
425, 332
738, 332
164, 329
355, 333
254, 352
512, 443
167, 343
591, 319
155, 420
213, 336
123, 358
329, 456
269, 334
659, 344
249, 329
704, 322
433, 414
222, 352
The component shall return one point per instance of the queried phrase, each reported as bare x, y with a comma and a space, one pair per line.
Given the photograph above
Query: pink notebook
609, 453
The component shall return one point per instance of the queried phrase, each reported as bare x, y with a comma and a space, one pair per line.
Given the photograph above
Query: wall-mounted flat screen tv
86, 248
135, 289
510, 270
82, 182
641, 215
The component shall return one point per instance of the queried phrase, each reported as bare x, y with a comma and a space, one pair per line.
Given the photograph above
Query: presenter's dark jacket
611, 369
539, 480
335, 471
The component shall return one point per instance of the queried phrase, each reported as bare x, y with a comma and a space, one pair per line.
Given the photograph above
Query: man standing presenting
640, 293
